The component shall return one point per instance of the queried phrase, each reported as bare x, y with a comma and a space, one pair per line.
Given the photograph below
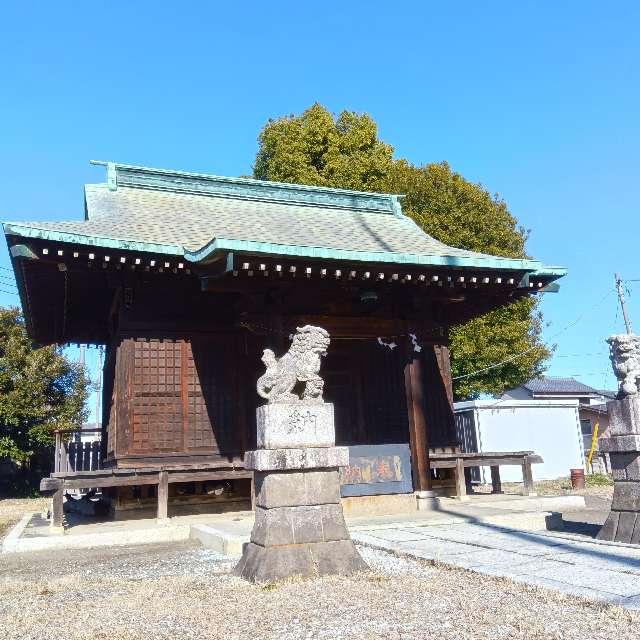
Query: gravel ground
182, 591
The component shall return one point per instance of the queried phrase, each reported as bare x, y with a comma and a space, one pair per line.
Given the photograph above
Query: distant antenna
623, 303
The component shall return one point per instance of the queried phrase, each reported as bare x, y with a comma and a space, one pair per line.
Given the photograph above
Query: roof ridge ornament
112, 176
251, 189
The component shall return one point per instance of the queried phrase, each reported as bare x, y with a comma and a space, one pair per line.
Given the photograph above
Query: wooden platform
60, 482
459, 461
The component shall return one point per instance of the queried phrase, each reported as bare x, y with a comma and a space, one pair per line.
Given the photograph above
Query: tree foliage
319, 149
40, 391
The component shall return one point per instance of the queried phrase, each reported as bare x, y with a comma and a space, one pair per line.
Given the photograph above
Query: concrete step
228, 537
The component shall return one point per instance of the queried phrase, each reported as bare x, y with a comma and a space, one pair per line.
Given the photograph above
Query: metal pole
99, 390
623, 304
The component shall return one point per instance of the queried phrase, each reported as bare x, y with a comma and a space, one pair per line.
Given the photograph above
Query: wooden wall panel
156, 403
438, 394
182, 398
175, 398
385, 403
210, 375
365, 382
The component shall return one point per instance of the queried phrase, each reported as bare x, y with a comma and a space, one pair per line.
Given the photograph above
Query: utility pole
623, 304
99, 389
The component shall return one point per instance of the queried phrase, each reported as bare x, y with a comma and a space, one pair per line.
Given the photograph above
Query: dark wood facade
187, 401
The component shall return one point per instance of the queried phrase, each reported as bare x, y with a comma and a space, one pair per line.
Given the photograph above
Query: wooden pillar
163, 495
57, 507
461, 483
58, 451
496, 483
414, 391
527, 478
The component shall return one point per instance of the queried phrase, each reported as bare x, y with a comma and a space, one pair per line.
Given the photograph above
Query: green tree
463, 214
318, 148
40, 391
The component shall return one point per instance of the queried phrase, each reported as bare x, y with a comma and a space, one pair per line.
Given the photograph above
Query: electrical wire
530, 349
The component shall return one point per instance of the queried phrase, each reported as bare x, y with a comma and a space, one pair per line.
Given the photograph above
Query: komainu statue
300, 365
625, 358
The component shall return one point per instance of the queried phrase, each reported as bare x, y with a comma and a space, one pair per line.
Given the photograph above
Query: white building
542, 416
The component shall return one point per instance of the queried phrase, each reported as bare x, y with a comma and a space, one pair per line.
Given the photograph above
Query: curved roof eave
210, 252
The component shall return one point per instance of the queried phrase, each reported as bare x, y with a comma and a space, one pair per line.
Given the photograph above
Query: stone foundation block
610, 527
624, 416
270, 564
620, 443
291, 488
293, 426
295, 459
626, 524
625, 466
297, 525
621, 526
626, 496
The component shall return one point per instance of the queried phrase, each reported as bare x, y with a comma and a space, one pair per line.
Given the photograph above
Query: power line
11, 293
530, 349
580, 355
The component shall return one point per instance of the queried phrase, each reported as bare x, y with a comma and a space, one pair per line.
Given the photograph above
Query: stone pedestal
623, 447
299, 527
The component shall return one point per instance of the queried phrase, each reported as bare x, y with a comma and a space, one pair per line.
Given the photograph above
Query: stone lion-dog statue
300, 365
625, 358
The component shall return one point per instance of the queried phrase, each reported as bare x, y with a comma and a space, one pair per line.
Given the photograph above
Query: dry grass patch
13, 509
597, 485
400, 599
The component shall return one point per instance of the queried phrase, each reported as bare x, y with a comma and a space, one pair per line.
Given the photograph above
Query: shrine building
186, 278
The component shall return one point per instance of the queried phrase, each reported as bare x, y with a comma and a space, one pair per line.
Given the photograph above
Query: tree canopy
317, 148
41, 390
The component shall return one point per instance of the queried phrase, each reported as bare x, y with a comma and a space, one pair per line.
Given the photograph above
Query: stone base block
296, 525
294, 426
620, 443
625, 466
271, 564
626, 496
296, 488
621, 526
296, 459
624, 416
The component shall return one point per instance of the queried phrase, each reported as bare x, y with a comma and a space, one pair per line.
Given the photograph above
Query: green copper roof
200, 217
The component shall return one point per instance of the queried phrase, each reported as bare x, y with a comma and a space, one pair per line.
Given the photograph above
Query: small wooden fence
71, 454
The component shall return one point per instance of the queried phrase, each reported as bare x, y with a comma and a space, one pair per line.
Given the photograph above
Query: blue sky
537, 101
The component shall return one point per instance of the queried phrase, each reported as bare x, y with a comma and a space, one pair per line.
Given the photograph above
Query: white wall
550, 428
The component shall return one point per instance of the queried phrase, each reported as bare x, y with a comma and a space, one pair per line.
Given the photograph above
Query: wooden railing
73, 455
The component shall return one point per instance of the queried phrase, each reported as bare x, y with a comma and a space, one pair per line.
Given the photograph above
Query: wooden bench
59, 482
458, 461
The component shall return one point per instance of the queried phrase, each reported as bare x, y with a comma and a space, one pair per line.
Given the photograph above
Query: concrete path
565, 562
226, 532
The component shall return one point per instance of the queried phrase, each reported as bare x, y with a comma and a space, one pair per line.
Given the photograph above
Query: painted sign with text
377, 470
